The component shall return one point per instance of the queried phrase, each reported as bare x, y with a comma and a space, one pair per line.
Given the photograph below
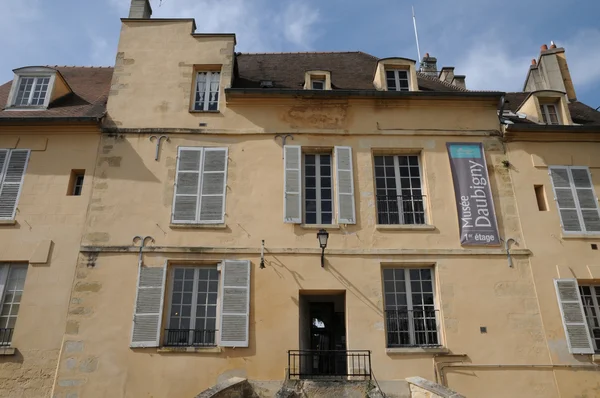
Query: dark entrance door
324, 349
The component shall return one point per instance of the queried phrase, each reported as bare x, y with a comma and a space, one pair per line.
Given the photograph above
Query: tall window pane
318, 189
11, 300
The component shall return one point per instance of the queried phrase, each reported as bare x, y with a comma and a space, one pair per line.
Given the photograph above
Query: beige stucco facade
133, 196
45, 235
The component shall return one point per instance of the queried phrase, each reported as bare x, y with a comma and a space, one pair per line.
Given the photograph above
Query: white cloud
299, 20
257, 24
489, 65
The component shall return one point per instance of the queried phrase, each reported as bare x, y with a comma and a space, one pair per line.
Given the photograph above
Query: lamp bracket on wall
142, 240
158, 140
284, 138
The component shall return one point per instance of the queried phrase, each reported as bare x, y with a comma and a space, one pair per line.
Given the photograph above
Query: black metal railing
400, 209
413, 328
329, 364
189, 338
5, 336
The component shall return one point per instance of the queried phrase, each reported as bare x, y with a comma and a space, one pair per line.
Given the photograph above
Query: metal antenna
416, 36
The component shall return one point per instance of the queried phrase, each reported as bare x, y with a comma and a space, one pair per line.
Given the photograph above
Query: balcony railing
329, 364
392, 210
189, 338
412, 328
5, 336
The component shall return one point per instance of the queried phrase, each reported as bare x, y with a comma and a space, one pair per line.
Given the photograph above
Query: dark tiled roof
580, 112
90, 87
349, 70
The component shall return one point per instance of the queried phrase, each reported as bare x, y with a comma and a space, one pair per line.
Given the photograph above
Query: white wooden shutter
235, 303
187, 185
565, 201
586, 198
292, 183
12, 182
148, 307
573, 317
213, 186
346, 212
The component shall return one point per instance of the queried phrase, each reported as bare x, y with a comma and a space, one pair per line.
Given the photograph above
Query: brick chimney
429, 65
550, 72
140, 9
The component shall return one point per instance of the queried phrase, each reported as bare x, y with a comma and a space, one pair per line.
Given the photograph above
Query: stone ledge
405, 227
595, 236
198, 226
417, 350
190, 350
320, 226
596, 358
8, 222
419, 383
7, 351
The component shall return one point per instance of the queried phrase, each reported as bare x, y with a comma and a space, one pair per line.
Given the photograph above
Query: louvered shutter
12, 181
214, 183
3, 278
565, 200
292, 182
346, 212
586, 198
148, 307
187, 185
235, 303
571, 310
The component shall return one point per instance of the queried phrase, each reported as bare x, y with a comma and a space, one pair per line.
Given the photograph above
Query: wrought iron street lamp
323, 236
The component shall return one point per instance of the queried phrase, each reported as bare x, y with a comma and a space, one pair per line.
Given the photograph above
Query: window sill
195, 111
7, 351
197, 226
591, 235
25, 108
596, 358
192, 350
320, 226
8, 222
417, 350
405, 227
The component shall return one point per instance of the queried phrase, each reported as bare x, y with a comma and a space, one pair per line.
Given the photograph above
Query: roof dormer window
32, 91
397, 80
35, 88
318, 84
550, 114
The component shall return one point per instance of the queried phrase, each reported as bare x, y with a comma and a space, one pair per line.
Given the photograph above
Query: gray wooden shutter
346, 212
565, 200
213, 186
4, 268
586, 198
573, 317
292, 183
12, 182
235, 303
187, 185
148, 307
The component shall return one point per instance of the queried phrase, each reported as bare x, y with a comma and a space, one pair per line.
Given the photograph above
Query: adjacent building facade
49, 136
294, 216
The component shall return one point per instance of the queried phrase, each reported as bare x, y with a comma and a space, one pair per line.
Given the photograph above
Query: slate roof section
90, 87
349, 70
580, 112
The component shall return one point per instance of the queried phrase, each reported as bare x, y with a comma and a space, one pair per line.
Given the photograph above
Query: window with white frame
318, 203
318, 84
397, 80
207, 91
399, 194
31, 91
13, 164
550, 114
410, 310
590, 297
576, 199
12, 283
193, 307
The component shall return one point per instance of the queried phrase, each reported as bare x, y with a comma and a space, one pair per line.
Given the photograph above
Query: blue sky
491, 42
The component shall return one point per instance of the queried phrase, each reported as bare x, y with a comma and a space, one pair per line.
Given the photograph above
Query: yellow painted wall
554, 255
44, 212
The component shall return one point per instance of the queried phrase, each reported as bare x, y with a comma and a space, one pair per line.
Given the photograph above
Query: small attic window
33, 87
397, 80
550, 114
318, 84
266, 84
